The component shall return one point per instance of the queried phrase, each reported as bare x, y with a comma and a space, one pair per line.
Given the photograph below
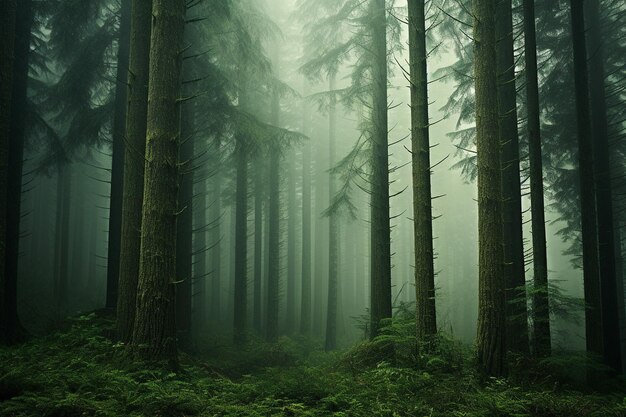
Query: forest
312, 208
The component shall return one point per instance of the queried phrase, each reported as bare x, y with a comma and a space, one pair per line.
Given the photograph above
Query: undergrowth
81, 372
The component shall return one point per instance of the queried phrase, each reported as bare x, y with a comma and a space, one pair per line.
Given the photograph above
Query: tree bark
132, 200
426, 318
305, 303
117, 160
7, 49
61, 246
514, 268
154, 333
258, 243
380, 228
241, 242
291, 244
541, 302
491, 303
603, 185
216, 255
591, 266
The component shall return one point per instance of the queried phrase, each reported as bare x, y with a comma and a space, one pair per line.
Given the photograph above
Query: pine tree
491, 304
154, 332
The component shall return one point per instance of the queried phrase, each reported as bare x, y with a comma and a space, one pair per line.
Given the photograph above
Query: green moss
80, 372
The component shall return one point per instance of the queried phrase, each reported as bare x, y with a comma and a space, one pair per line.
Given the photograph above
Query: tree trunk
61, 246
141, 20
241, 242
17, 126
273, 290
426, 318
216, 255
604, 194
381, 232
333, 229
291, 244
591, 267
491, 303
514, 268
541, 302
7, 48
305, 303
199, 281
154, 333
117, 160
184, 230
258, 243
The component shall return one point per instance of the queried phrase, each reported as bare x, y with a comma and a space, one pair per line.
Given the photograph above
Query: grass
81, 372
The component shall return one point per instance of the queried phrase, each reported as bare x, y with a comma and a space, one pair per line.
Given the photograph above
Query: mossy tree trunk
136, 120
491, 348
591, 266
117, 160
541, 307
380, 228
514, 267
154, 333
426, 319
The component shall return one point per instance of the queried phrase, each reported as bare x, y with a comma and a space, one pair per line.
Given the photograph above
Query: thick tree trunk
258, 243
333, 231
515, 280
134, 166
7, 48
541, 303
491, 303
591, 266
17, 126
241, 243
184, 231
117, 161
604, 194
154, 333
305, 303
426, 318
273, 231
381, 232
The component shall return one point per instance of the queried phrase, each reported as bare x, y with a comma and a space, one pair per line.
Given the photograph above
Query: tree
517, 317
426, 317
591, 267
305, 303
154, 333
136, 120
117, 162
7, 33
491, 304
541, 307
259, 199
241, 239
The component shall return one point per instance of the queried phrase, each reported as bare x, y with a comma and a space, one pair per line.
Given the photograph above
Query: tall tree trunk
117, 161
141, 20
7, 48
154, 333
514, 268
291, 244
17, 126
258, 242
604, 194
199, 281
381, 232
273, 231
305, 303
61, 246
216, 254
541, 302
591, 266
426, 318
333, 229
184, 230
241, 242
491, 303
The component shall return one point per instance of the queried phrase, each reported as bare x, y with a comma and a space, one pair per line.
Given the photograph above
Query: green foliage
80, 372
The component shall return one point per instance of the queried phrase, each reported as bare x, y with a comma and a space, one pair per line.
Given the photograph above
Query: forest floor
80, 372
